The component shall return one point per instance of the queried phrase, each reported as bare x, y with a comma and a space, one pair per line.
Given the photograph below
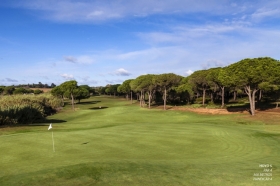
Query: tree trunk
143, 99
131, 96
62, 100
251, 95
253, 102
223, 96
234, 95
260, 95
212, 97
73, 108
150, 97
203, 96
140, 98
164, 100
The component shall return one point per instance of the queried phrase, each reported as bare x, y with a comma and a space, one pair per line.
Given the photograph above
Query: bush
23, 109
38, 91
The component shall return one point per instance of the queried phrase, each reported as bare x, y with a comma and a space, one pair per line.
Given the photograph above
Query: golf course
109, 141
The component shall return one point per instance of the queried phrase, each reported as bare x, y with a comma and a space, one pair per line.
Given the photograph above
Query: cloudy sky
99, 42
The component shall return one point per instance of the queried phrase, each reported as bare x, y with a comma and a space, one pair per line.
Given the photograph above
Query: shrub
23, 109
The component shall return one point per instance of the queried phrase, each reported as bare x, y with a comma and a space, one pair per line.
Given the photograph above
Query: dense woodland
257, 80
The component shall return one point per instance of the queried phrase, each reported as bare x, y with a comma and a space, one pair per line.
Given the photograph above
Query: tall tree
102, 90
81, 93
57, 91
125, 88
250, 73
185, 88
136, 87
90, 89
144, 83
53, 85
69, 87
164, 82
217, 77
200, 82
112, 89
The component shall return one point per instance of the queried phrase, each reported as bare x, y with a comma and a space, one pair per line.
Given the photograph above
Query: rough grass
122, 144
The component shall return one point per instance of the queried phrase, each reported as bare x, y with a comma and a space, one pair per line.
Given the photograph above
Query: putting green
122, 144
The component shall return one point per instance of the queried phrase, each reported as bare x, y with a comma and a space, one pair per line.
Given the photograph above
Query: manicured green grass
123, 144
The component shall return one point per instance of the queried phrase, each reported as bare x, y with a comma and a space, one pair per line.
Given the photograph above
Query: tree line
12, 90
72, 91
24, 88
258, 78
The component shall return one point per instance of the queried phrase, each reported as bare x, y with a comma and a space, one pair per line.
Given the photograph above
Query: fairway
108, 141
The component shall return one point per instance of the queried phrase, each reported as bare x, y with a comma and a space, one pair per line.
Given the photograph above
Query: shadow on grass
54, 121
97, 108
246, 107
47, 122
265, 106
88, 102
238, 108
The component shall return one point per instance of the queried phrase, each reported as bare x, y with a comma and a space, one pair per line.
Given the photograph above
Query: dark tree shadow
246, 107
265, 106
47, 122
54, 121
88, 102
238, 108
97, 108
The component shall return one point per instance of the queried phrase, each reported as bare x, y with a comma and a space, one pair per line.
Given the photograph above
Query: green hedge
26, 109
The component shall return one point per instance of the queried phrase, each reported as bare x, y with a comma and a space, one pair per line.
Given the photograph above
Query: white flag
50, 127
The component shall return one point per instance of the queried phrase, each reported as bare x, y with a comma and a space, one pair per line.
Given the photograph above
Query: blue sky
99, 42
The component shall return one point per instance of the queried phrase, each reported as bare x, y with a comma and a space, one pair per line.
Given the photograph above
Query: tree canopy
251, 73
165, 81
70, 89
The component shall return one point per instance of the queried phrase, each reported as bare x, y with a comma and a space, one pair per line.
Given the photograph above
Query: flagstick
53, 142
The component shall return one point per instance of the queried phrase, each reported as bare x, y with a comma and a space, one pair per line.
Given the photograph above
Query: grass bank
108, 141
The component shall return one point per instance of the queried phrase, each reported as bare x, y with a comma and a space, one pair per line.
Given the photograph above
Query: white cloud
86, 59
11, 80
212, 63
264, 12
185, 34
83, 59
84, 10
115, 81
90, 82
122, 72
189, 72
67, 76
70, 59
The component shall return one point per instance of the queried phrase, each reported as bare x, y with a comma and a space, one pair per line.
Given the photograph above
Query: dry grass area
43, 89
202, 110
270, 116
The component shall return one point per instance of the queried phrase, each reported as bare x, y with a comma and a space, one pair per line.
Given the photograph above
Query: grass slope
122, 144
